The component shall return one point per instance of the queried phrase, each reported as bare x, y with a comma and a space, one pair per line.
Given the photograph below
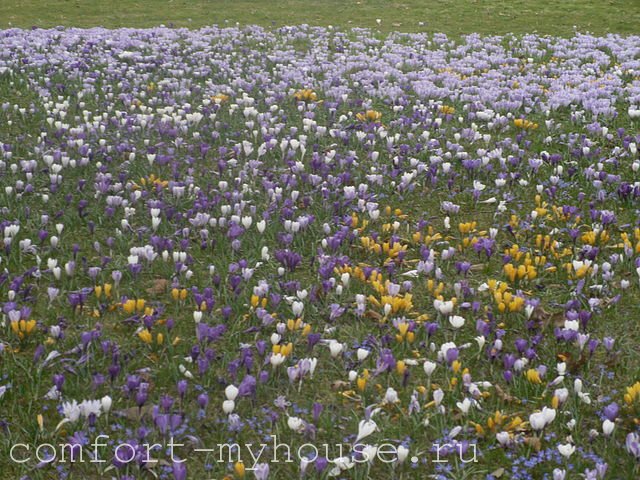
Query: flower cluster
408, 242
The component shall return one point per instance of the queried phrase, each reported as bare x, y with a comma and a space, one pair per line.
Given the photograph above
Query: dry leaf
573, 364
135, 413
373, 314
533, 442
504, 396
339, 385
612, 360
544, 318
159, 286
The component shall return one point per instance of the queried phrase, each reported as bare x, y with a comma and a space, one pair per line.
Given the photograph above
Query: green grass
453, 17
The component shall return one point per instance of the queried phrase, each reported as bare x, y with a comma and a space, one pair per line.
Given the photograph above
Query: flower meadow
249, 253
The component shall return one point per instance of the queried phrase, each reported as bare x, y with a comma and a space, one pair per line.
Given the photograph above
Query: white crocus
456, 321
429, 367
365, 428
228, 406
231, 392
566, 450
391, 396
296, 424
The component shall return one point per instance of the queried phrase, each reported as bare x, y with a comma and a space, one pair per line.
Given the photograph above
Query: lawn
453, 17
354, 240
